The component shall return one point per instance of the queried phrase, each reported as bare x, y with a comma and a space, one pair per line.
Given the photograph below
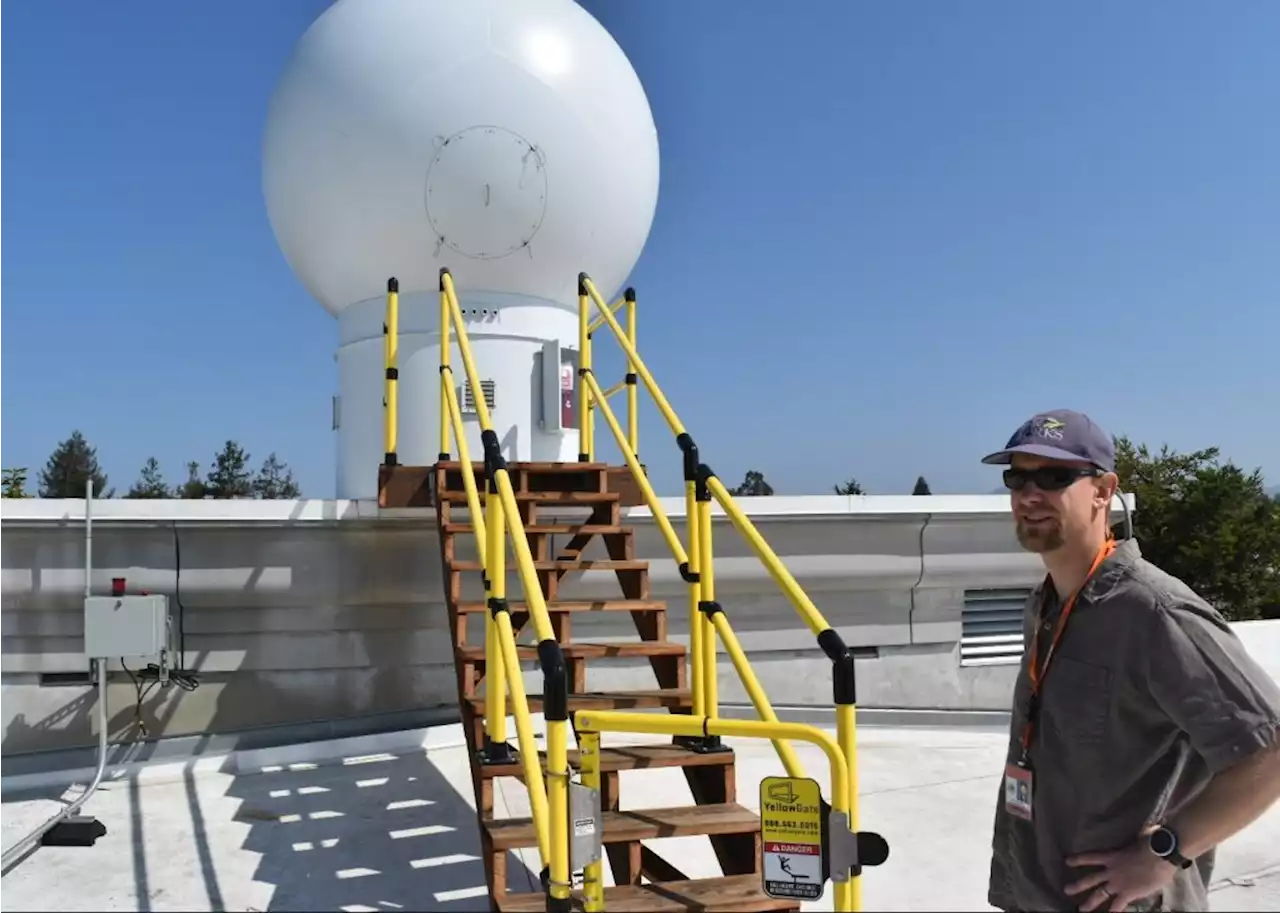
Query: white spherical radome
509, 140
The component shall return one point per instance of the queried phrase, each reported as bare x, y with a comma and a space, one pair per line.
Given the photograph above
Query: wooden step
735, 892
476, 654
543, 497
589, 564
627, 757
671, 698
640, 824
554, 606
524, 466
549, 529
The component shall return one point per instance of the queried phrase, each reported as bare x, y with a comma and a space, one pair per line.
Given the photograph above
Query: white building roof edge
315, 510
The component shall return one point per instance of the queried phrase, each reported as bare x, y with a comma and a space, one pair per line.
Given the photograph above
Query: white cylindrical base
507, 333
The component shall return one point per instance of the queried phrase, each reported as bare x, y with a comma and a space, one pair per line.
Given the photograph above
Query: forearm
1232, 801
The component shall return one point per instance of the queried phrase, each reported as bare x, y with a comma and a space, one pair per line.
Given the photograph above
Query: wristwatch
1164, 843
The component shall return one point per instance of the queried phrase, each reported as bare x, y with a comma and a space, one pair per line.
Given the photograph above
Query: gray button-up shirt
1148, 695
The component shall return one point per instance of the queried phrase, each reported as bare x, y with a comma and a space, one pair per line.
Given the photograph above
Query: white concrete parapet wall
299, 611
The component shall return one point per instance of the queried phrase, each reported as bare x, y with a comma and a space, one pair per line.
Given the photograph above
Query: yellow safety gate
497, 518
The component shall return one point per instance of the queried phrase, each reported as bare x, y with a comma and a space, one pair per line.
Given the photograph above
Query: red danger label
794, 849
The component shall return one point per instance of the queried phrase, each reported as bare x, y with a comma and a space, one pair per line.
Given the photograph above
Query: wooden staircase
645, 881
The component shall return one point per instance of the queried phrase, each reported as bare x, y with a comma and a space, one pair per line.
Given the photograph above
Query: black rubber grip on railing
444, 271
393, 373
710, 608
498, 606
385, 329
555, 680
442, 457
690, 450
390, 458
583, 278
632, 379
393, 284
687, 575
494, 461
843, 674
629, 294
701, 491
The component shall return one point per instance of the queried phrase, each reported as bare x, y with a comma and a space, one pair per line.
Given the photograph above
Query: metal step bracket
842, 847
847, 851
586, 826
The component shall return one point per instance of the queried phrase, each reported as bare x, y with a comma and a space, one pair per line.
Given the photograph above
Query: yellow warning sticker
791, 837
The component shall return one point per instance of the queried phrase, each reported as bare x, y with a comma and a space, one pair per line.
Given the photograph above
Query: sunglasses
1047, 478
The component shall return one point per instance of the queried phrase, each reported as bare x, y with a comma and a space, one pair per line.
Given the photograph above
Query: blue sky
887, 233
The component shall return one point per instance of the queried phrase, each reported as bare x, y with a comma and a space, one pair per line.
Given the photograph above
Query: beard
1039, 537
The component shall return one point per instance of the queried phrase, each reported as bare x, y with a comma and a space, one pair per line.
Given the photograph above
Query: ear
1105, 489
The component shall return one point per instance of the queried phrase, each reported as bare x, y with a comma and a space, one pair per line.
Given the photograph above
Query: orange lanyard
1034, 672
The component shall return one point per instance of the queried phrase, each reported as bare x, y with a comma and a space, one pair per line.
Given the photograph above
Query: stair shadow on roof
379, 832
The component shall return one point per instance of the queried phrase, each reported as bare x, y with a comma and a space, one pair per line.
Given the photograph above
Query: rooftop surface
375, 829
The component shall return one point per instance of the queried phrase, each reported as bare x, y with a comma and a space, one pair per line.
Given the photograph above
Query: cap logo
1045, 427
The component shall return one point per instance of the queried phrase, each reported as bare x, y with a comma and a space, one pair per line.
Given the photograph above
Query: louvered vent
991, 627
468, 395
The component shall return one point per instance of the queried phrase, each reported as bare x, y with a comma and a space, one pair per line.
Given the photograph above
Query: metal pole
24, 847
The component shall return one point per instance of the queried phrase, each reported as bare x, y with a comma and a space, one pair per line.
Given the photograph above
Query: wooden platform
413, 486
646, 881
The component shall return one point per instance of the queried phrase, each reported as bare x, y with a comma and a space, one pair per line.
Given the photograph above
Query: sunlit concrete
377, 830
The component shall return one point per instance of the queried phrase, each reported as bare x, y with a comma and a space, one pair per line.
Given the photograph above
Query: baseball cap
1060, 435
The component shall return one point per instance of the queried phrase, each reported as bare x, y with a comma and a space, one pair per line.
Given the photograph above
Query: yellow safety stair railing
496, 515
549, 800
707, 616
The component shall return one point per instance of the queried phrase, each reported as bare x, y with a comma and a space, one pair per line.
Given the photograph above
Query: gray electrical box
559, 370
133, 626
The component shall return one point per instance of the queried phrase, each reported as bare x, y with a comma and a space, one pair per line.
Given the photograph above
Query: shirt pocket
1077, 705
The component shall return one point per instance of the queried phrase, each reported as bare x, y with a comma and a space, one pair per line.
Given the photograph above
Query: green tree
1207, 522
850, 487
229, 477
70, 467
15, 483
753, 484
274, 481
193, 489
922, 487
150, 482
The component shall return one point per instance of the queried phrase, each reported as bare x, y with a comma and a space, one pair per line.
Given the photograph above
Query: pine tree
15, 483
193, 489
850, 487
230, 477
70, 467
275, 481
922, 487
753, 485
150, 482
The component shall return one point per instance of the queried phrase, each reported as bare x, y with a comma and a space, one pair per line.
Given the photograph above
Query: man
1143, 735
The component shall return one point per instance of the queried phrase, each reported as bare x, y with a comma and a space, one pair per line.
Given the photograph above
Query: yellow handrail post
446, 378
593, 873
633, 405
391, 351
707, 576
695, 594
586, 448
496, 750
844, 682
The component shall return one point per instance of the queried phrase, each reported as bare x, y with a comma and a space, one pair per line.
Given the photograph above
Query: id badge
1018, 791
